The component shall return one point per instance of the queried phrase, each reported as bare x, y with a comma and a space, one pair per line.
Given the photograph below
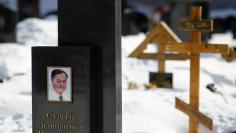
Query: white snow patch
14, 60
37, 32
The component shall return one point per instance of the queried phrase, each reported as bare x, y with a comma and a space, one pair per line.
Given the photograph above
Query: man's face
59, 83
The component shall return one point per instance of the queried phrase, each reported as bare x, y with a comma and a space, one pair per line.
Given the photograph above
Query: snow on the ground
14, 60
34, 31
226, 38
15, 96
144, 111
15, 71
151, 111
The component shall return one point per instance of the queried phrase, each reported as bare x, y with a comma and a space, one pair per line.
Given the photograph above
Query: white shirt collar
53, 96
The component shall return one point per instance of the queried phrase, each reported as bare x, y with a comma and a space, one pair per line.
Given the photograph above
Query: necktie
61, 98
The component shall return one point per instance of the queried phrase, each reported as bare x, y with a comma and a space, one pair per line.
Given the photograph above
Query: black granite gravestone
97, 23
8, 20
76, 110
28, 8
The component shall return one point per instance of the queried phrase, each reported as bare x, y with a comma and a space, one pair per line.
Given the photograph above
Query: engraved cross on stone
194, 47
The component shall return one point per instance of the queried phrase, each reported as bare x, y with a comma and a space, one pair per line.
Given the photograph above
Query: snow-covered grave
144, 111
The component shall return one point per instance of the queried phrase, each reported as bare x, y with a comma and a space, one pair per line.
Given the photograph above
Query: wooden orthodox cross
194, 48
161, 33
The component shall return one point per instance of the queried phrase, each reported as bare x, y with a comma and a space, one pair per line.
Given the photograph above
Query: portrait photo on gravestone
59, 87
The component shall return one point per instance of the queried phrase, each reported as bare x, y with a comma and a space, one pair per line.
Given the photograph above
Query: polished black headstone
78, 115
97, 23
28, 8
161, 80
8, 20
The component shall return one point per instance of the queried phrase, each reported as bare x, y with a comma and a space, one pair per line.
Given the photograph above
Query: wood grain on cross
195, 26
158, 35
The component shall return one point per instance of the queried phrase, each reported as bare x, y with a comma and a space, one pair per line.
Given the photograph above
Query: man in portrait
59, 80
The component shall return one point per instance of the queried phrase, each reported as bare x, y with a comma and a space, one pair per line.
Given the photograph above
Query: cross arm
197, 48
149, 39
194, 114
140, 48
